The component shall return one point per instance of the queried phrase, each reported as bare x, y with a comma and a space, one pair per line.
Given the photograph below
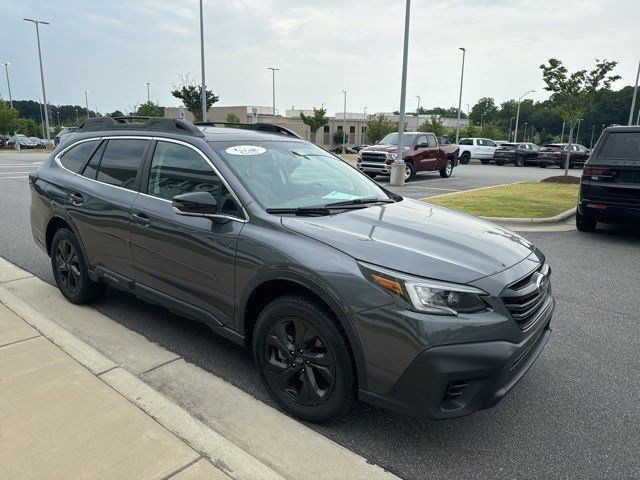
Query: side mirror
422, 145
195, 204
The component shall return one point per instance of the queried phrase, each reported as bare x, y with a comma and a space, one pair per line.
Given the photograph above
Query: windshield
295, 174
392, 139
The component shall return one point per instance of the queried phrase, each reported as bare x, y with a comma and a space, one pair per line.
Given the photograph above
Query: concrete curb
226, 456
426, 199
561, 217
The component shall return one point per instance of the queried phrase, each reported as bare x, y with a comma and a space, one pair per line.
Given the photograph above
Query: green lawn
521, 200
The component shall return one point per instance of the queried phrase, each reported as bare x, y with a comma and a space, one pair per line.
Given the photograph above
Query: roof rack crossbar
260, 127
171, 125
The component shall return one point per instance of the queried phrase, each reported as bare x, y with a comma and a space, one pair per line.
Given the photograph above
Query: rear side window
120, 162
466, 141
75, 158
431, 141
622, 145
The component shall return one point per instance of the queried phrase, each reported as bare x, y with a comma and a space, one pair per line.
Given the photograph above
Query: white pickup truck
480, 148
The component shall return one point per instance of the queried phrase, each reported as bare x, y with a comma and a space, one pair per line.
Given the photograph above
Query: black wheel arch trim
324, 294
58, 213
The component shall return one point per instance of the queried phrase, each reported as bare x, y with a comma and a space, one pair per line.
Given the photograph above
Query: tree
484, 110
8, 118
574, 93
378, 126
340, 136
315, 121
232, 118
434, 125
190, 95
27, 127
150, 109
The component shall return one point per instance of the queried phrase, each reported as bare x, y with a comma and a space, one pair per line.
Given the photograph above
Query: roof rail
160, 124
260, 127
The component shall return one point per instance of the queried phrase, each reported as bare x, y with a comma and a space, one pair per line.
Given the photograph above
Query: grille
525, 298
629, 176
373, 157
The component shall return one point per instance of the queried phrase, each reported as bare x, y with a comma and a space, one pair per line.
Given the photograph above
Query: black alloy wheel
68, 267
519, 161
299, 361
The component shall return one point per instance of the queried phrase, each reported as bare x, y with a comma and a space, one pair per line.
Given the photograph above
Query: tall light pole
418, 109
481, 119
510, 123
148, 93
86, 101
398, 168
203, 88
344, 118
635, 93
464, 53
273, 84
77, 117
41, 117
515, 139
44, 95
524, 134
593, 131
6, 71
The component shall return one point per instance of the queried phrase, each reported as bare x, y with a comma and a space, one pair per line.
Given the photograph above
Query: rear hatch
505, 150
551, 151
612, 173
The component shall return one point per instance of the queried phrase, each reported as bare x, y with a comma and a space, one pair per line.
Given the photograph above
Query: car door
99, 201
187, 260
490, 147
420, 152
430, 161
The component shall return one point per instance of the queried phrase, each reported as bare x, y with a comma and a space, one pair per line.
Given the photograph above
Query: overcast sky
112, 47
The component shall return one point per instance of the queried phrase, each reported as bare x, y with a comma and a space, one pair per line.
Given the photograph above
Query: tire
411, 172
465, 158
519, 161
500, 162
70, 270
485, 161
321, 358
371, 175
585, 224
543, 164
447, 169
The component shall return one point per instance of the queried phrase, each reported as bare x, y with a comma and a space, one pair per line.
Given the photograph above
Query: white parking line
14, 173
6, 178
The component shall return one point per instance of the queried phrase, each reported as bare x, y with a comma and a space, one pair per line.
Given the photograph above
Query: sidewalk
59, 420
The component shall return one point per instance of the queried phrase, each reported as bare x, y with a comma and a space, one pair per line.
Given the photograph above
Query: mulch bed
569, 179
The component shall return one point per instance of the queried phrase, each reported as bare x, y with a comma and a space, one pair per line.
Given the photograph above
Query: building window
326, 129
352, 129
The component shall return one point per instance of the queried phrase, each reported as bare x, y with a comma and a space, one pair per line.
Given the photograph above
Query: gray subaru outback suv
342, 289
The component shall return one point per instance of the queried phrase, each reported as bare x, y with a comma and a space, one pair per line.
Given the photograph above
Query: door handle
141, 219
76, 199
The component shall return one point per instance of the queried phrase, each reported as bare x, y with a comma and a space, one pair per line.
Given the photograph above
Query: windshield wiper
360, 201
300, 211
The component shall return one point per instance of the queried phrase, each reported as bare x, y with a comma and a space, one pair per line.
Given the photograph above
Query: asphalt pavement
576, 413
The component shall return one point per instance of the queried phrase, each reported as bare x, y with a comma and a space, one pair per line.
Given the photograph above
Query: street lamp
481, 118
344, 118
6, 71
510, 122
44, 95
41, 117
635, 93
464, 52
203, 89
398, 168
418, 109
273, 75
148, 93
515, 139
86, 101
593, 131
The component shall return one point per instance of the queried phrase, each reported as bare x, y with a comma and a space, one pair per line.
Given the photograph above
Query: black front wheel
465, 158
519, 161
447, 169
70, 271
304, 359
585, 224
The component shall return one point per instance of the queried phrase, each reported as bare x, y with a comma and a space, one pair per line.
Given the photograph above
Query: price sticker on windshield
246, 150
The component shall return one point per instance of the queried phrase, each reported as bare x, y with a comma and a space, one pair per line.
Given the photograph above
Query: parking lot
575, 415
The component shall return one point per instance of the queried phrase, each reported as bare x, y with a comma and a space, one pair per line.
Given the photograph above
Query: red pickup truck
422, 152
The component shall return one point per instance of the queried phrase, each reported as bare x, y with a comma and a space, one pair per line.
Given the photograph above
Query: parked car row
522, 153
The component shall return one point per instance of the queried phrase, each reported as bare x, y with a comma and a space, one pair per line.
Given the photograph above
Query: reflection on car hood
420, 239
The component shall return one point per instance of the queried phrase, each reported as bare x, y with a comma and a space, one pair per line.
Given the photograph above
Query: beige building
355, 124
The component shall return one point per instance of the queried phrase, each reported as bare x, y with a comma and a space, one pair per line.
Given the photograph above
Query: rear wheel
70, 271
485, 161
410, 172
304, 359
585, 224
500, 162
519, 161
543, 164
464, 158
447, 169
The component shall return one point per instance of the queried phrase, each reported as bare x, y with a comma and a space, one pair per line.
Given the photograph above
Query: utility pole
464, 52
510, 122
344, 117
593, 131
41, 117
6, 71
86, 101
273, 84
203, 88
148, 93
635, 93
518, 113
398, 168
44, 95
418, 109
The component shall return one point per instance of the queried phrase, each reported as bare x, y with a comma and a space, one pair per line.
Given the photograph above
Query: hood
419, 239
380, 148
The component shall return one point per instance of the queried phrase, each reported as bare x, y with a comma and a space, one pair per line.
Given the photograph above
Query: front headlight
392, 156
429, 296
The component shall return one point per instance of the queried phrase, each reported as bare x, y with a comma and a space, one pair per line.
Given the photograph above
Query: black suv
610, 185
520, 154
342, 289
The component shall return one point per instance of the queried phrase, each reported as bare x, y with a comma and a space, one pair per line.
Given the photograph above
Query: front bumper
455, 380
379, 168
